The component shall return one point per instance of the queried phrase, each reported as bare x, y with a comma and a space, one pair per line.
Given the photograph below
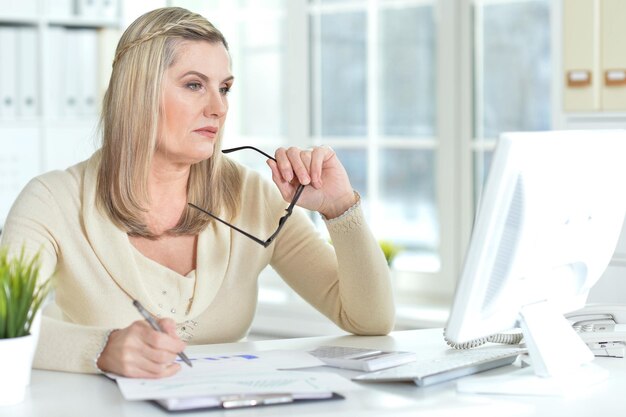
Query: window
513, 73
411, 94
373, 95
257, 38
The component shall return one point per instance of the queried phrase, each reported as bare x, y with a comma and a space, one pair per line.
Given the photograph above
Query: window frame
433, 285
454, 144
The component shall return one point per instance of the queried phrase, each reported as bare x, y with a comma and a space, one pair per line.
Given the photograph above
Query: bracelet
104, 345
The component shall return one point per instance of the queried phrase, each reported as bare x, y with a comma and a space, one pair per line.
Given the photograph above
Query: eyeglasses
281, 222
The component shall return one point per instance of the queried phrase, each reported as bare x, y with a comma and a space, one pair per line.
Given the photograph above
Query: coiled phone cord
504, 338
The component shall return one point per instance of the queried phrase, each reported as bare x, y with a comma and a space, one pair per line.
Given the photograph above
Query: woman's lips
209, 131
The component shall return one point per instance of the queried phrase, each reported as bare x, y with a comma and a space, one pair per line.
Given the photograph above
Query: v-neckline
114, 250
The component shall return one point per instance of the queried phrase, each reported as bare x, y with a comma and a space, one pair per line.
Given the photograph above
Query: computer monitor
546, 228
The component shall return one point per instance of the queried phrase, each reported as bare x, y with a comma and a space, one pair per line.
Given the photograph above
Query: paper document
275, 359
196, 382
238, 374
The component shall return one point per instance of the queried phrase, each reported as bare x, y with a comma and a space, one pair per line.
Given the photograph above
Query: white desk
53, 394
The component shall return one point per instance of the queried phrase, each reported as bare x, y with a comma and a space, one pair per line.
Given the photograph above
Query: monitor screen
546, 228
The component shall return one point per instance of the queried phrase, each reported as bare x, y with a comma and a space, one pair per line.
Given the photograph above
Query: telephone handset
602, 327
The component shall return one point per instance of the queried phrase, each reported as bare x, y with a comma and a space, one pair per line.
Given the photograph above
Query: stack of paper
239, 380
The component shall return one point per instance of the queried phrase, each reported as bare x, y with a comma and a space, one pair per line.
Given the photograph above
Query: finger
127, 354
168, 326
159, 356
318, 157
164, 341
286, 189
148, 369
169, 370
299, 163
283, 163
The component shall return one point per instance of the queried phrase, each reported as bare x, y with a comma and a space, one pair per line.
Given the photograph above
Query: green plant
20, 295
390, 250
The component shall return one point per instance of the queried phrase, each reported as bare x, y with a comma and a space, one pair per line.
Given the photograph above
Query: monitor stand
560, 360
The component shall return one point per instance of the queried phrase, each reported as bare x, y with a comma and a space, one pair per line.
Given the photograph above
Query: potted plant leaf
390, 250
22, 294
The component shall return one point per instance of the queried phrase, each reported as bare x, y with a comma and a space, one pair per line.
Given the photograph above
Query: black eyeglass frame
281, 222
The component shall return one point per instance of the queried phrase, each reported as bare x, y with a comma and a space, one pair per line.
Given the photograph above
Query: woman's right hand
139, 351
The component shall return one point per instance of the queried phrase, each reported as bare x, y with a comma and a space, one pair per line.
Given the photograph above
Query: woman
118, 227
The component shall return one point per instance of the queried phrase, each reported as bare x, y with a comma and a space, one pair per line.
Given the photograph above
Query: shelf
591, 120
83, 121
47, 38
20, 124
19, 20
596, 116
69, 21
83, 22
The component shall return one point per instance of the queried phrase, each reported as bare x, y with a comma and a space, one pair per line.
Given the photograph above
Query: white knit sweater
97, 270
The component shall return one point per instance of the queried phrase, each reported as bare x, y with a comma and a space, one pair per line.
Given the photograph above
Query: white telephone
602, 327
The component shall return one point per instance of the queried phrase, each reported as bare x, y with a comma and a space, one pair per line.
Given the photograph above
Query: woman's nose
216, 105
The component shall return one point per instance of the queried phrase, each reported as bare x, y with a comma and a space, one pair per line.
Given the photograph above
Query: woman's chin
203, 153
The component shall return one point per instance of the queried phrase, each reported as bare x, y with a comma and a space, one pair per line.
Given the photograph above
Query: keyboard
361, 359
455, 364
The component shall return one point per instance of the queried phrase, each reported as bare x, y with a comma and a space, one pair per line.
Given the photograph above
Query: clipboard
226, 402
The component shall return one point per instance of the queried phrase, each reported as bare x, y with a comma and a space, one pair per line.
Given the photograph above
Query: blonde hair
130, 120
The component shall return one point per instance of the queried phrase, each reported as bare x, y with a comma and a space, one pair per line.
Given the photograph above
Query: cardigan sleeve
65, 346
33, 225
347, 281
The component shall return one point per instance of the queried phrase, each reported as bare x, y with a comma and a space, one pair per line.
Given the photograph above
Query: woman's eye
224, 90
194, 86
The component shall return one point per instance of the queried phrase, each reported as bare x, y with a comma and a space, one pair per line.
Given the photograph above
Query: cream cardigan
97, 270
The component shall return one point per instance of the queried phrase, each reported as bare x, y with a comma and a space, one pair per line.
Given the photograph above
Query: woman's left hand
329, 190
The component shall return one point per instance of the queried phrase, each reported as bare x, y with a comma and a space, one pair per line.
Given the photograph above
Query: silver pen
156, 327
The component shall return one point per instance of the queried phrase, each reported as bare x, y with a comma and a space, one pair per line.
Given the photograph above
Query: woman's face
194, 102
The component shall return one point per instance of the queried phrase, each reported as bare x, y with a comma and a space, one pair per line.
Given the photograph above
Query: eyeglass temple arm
289, 210
281, 222
243, 232
239, 148
298, 190
296, 196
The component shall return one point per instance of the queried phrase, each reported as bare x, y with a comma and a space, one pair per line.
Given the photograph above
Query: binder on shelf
71, 73
21, 8
59, 9
87, 8
613, 61
28, 68
8, 73
26, 7
18, 8
108, 9
107, 41
87, 54
55, 51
